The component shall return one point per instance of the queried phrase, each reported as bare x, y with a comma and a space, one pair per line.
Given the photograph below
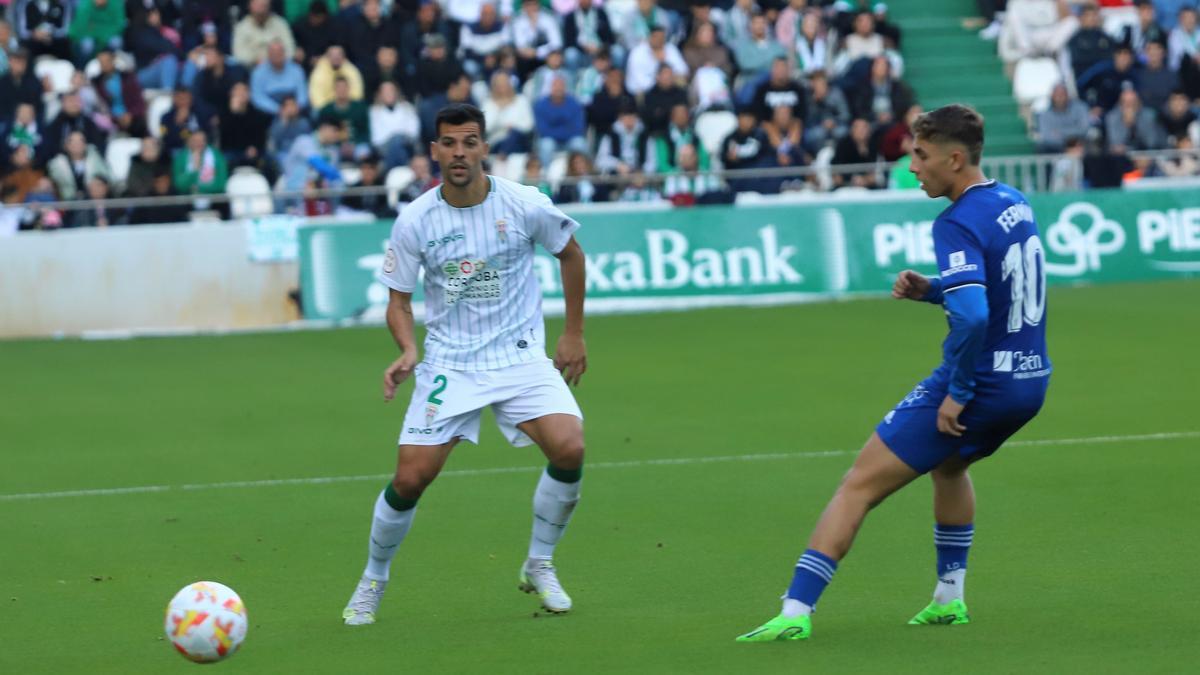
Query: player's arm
961, 269
400, 323
401, 265
916, 286
555, 231
967, 309
570, 357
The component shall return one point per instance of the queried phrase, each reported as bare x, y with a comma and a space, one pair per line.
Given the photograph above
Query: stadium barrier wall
169, 278
772, 250
658, 259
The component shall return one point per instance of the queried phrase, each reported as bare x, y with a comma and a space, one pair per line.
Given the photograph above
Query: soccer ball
206, 621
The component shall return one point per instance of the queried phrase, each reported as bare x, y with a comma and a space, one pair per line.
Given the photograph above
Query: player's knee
952, 469
861, 489
410, 482
568, 453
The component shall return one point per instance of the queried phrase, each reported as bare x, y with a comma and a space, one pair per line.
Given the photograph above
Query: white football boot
538, 576
361, 609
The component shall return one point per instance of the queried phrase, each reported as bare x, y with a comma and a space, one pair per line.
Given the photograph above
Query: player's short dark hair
954, 123
460, 113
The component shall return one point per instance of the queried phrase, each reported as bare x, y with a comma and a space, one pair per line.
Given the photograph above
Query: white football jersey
483, 303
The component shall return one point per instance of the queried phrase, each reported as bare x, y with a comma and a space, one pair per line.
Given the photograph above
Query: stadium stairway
946, 63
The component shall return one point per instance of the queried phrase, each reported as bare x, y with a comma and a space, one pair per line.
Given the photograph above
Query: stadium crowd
138, 98
135, 98
1129, 80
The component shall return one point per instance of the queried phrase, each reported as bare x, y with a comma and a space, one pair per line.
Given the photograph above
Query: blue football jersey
989, 238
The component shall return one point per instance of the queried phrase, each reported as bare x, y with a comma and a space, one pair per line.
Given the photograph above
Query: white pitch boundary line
811, 454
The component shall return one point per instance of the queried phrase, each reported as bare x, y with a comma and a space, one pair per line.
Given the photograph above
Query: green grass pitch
1084, 562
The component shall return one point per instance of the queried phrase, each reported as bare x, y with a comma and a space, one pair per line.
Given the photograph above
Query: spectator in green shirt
294, 10
200, 168
352, 116
901, 177
97, 24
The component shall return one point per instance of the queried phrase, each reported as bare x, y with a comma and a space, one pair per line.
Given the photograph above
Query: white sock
950, 586
553, 502
794, 608
387, 531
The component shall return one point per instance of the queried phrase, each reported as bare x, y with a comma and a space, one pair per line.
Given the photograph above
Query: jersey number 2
1026, 265
440, 380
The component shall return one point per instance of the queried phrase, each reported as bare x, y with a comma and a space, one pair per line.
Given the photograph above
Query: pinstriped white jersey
483, 303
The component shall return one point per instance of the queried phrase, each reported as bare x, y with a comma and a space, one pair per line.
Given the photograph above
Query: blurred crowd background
323, 106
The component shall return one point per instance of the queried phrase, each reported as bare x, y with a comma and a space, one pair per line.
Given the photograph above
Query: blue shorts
910, 429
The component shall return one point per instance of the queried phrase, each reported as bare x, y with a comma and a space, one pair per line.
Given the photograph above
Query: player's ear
958, 159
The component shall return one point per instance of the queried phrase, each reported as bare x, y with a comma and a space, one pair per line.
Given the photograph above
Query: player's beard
472, 173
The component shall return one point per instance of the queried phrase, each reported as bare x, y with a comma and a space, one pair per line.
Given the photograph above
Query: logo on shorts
888, 417
521, 344
431, 411
915, 395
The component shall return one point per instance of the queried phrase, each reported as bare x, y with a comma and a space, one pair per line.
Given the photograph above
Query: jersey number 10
1027, 267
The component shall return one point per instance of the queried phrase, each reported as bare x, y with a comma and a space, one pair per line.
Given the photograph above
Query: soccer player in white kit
474, 238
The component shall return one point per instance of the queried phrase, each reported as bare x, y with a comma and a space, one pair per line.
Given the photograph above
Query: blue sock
953, 542
814, 571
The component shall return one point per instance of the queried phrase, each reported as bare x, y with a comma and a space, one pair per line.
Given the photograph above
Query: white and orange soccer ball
206, 621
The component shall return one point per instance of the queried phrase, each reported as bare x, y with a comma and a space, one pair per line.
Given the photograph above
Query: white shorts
447, 404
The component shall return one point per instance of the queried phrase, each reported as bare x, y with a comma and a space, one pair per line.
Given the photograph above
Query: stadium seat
159, 105
398, 178
494, 167
1117, 19
51, 105
514, 170
119, 156
351, 174
713, 127
249, 194
60, 73
556, 171
619, 12
1034, 79
480, 90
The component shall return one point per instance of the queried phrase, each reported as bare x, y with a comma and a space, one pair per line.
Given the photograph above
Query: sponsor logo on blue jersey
958, 264
1022, 364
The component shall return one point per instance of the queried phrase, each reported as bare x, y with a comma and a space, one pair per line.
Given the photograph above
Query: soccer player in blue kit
993, 377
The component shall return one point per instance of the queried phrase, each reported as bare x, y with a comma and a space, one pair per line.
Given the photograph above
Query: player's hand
911, 285
570, 358
397, 373
947, 419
